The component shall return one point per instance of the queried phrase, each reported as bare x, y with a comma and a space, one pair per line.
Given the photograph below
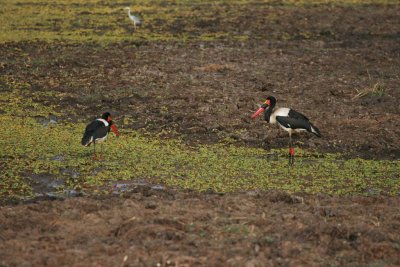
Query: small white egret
136, 20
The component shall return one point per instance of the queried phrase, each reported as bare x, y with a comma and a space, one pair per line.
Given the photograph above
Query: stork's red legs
291, 151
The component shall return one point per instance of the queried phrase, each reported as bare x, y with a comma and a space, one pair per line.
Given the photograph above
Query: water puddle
42, 183
129, 186
47, 186
47, 121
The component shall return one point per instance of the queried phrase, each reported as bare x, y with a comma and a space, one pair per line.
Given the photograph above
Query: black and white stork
97, 131
288, 119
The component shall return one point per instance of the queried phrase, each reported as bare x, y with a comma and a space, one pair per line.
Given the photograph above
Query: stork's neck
268, 112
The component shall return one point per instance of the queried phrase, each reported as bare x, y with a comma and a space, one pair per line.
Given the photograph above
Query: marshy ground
193, 181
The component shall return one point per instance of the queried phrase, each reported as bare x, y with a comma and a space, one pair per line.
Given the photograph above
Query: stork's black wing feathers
294, 123
297, 115
295, 120
92, 129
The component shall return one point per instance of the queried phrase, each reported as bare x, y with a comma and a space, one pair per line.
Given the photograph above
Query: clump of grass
377, 90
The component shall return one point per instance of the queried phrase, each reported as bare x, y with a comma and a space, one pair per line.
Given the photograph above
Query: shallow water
127, 186
48, 186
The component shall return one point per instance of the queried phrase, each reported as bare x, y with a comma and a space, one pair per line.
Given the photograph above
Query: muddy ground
169, 228
312, 59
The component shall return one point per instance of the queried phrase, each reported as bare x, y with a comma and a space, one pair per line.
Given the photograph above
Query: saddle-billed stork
97, 131
288, 119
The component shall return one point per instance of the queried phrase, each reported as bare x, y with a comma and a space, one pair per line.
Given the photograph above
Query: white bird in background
136, 20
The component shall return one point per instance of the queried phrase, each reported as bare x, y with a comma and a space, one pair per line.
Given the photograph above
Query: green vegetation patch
30, 148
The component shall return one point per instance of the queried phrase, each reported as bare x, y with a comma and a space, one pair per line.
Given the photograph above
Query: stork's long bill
257, 113
113, 126
261, 109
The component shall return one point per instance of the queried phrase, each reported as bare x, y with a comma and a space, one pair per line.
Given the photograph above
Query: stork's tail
87, 139
315, 130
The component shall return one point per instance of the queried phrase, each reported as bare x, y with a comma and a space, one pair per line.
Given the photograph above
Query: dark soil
205, 92
166, 228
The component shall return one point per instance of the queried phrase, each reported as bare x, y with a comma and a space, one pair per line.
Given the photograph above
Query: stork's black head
269, 104
106, 116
